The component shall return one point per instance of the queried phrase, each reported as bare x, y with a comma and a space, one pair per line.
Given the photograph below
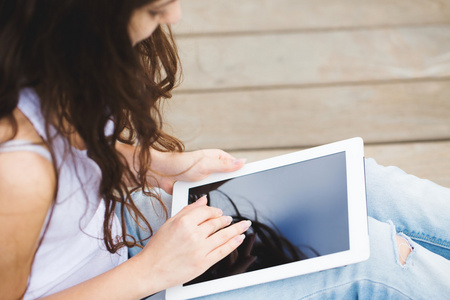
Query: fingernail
239, 161
228, 220
202, 198
246, 224
239, 238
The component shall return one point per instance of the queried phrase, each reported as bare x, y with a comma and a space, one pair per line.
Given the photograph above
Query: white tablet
308, 213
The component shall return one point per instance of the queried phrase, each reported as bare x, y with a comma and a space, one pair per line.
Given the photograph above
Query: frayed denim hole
394, 234
405, 243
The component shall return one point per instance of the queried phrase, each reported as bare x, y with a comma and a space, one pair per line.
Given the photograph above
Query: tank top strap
23, 145
30, 105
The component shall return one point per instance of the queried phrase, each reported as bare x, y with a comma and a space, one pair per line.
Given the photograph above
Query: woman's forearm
168, 167
123, 282
159, 168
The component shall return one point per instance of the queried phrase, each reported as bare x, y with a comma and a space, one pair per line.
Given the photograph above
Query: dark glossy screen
298, 212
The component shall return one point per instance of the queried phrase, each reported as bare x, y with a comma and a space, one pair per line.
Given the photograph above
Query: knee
404, 249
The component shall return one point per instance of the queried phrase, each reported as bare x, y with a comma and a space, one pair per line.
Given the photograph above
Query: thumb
220, 161
226, 164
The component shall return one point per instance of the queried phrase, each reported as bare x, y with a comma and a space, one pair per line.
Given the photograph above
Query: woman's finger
198, 214
223, 250
199, 202
226, 240
213, 225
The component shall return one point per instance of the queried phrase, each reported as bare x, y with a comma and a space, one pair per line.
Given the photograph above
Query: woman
71, 83
80, 83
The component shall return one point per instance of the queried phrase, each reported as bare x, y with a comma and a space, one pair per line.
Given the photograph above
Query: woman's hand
167, 168
188, 244
183, 248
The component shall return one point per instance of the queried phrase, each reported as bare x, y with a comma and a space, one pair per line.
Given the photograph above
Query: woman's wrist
140, 272
163, 162
148, 279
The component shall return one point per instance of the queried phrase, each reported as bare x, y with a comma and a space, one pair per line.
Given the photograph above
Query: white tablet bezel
357, 218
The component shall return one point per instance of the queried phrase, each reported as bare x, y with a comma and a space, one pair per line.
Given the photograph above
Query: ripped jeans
398, 204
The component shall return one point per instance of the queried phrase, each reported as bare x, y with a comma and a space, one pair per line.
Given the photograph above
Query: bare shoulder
26, 176
27, 184
27, 190
24, 172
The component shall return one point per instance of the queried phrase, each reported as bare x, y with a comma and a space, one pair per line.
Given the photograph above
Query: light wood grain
304, 117
321, 58
218, 16
266, 77
425, 160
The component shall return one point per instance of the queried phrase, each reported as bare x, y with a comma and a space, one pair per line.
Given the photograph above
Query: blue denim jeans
398, 204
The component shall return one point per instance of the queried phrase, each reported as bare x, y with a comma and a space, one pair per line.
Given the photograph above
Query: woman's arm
169, 167
182, 249
27, 184
188, 242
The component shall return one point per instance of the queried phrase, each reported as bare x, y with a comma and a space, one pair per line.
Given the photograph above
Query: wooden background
267, 77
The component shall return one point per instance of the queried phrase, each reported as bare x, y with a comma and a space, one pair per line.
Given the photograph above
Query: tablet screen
298, 211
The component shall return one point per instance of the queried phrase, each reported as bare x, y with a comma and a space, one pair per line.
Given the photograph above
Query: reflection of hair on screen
263, 247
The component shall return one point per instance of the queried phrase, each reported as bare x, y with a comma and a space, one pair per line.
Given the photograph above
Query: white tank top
73, 249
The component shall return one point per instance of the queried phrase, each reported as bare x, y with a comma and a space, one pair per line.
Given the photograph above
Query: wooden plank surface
242, 61
304, 117
425, 160
219, 16
265, 77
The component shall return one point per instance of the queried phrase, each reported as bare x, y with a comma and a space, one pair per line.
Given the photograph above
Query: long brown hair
77, 55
